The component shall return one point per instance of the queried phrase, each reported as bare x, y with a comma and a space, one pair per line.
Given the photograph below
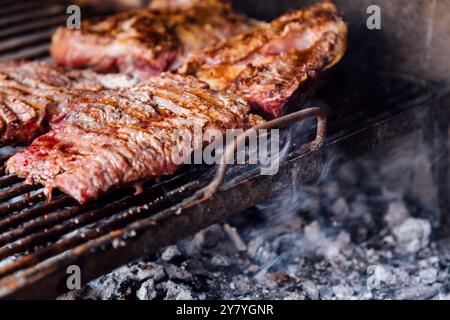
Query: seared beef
117, 138
34, 93
274, 62
147, 42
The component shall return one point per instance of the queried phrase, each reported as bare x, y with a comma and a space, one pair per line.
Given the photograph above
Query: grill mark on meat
123, 110
35, 94
147, 42
186, 4
9, 119
269, 85
265, 39
190, 101
155, 39
270, 64
13, 87
106, 144
91, 151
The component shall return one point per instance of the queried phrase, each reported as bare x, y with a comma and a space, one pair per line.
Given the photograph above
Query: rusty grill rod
207, 192
43, 220
17, 191
51, 236
117, 221
9, 181
25, 215
21, 204
16, 241
32, 26
38, 238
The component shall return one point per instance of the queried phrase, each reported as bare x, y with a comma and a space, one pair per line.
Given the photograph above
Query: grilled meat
273, 63
32, 94
147, 42
117, 138
151, 37
120, 137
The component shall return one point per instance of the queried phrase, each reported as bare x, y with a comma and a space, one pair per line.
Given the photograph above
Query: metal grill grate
38, 240
26, 28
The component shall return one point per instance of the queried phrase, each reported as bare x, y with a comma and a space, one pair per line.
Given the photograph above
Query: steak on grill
45, 89
117, 138
32, 94
274, 63
147, 42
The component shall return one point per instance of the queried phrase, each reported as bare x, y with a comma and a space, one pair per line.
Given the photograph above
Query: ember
357, 208
330, 240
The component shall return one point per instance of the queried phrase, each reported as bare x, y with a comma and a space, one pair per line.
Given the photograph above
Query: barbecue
369, 101
36, 94
115, 141
274, 63
98, 141
147, 42
48, 87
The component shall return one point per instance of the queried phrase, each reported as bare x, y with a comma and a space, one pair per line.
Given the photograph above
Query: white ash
310, 290
397, 213
379, 276
170, 253
176, 291
147, 290
348, 237
413, 234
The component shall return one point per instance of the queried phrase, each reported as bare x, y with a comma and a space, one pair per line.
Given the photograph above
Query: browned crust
146, 39
268, 65
126, 136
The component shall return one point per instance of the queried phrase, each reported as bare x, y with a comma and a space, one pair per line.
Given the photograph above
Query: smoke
296, 197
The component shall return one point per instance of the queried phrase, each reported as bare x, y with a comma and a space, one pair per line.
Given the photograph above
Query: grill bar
38, 240
33, 15
32, 26
15, 8
17, 191
25, 41
61, 232
6, 4
91, 216
23, 216
26, 27
80, 237
9, 181
26, 34
21, 204
35, 52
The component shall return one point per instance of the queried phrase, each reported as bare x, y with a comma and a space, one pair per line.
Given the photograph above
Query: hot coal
347, 238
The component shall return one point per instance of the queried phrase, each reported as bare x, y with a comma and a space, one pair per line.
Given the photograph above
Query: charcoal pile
345, 237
